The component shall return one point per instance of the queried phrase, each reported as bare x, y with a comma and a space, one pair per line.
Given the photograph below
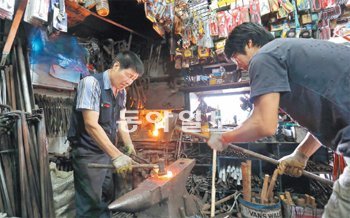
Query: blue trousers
94, 187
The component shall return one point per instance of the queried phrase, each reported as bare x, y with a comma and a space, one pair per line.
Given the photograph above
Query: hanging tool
259, 156
13, 31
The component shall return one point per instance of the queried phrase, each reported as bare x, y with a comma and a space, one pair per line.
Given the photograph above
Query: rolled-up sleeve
268, 74
88, 96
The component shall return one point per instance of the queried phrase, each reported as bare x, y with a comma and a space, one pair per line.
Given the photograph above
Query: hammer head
161, 164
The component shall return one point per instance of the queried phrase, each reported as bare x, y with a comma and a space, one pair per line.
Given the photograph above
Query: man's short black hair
240, 36
130, 60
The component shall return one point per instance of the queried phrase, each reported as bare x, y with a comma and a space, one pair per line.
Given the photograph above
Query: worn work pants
94, 188
338, 205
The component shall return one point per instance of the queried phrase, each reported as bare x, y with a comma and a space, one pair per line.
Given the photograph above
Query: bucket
253, 210
294, 211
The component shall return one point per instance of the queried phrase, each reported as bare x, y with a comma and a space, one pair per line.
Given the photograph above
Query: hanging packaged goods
203, 23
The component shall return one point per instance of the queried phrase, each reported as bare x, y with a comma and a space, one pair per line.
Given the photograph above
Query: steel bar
260, 156
22, 170
110, 166
7, 202
23, 76
33, 185
7, 168
12, 89
223, 200
44, 162
213, 190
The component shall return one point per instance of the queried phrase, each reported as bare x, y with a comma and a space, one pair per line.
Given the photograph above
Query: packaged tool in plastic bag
64, 51
37, 12
7, 9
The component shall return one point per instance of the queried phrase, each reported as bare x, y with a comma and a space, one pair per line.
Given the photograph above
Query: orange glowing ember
155, 132
167, 176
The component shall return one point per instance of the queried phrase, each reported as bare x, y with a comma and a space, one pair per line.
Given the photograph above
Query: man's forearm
309, 145
102, 140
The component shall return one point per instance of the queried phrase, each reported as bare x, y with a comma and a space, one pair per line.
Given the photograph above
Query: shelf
215, 87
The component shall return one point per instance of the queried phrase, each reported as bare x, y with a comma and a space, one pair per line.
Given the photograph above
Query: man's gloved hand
122, 164
293, 164
216, 142
130, 149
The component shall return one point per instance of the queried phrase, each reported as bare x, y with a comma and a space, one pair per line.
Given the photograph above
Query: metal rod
110, 166
261, 157
223, 200
213, 191
130, 40
23, 74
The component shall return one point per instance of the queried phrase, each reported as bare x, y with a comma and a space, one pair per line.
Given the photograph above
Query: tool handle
110, 166
261, 157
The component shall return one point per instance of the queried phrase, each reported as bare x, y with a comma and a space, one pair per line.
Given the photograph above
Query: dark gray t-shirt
313, 77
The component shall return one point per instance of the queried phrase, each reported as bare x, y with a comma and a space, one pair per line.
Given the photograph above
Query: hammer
160, 166
260, 156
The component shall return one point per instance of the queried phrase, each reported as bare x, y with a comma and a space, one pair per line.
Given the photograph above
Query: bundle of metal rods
25, 184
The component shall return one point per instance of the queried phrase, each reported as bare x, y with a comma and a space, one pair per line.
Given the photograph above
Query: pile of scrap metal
26, 189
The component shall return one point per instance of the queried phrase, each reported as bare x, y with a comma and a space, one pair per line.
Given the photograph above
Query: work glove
130, 149
216, 142
293, 164
122, 164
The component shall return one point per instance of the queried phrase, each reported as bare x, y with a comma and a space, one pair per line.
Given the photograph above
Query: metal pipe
260, 156
23, 74
130, 40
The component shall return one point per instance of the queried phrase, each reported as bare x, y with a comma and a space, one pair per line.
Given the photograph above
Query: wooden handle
244, 180
272, 185
249, 180
264, 189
